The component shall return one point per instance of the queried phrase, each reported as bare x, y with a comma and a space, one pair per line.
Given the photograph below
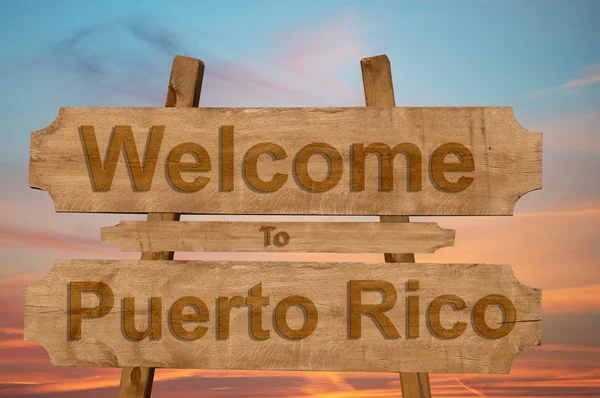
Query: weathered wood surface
507, 161
329, 347
185, 85
333, 237
379, 92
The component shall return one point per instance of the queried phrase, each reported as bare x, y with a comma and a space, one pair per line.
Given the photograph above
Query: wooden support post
379, 92
185, 85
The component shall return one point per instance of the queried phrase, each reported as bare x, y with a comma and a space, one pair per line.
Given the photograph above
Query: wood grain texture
379, 91
185, 84
415, 385
507, 160
328, 348
344, 237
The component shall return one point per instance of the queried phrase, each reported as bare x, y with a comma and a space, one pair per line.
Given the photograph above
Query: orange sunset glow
540, 56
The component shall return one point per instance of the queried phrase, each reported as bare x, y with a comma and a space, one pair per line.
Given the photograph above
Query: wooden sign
456, 318
335, 237
352, 161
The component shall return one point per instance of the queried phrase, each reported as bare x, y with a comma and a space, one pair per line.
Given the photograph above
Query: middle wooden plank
331, 237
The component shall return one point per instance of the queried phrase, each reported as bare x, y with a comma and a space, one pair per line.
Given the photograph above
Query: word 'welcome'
102, 170
255, 301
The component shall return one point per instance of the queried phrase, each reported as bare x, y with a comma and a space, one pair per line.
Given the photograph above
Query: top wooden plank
346, 161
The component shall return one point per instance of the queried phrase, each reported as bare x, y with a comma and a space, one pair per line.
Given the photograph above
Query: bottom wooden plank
373, 317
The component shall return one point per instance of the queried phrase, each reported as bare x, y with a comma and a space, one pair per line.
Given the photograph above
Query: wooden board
336, 237
333, 336
500, 160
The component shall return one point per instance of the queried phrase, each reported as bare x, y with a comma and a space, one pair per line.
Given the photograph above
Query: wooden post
185, 85
379, 92
184, 90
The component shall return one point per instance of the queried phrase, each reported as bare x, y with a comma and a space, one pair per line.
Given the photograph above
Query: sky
541, 57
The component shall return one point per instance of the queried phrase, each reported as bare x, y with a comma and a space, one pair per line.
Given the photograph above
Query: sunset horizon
538, 57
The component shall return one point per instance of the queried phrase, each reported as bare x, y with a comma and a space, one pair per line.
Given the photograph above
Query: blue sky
460, 53
541, 57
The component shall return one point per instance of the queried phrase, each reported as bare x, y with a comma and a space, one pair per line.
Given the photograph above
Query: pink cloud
316, 55
572, 300
13, 235
591, 76
15, 284
557, 370
553, 249
41, 240
578, 131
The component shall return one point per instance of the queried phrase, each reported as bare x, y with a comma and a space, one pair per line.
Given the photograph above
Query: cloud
571, 328
15, 284
590, 76
574, 132
572, 300
15, 236
470, 389
317, 54
130, 58
552, 249
559, 371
